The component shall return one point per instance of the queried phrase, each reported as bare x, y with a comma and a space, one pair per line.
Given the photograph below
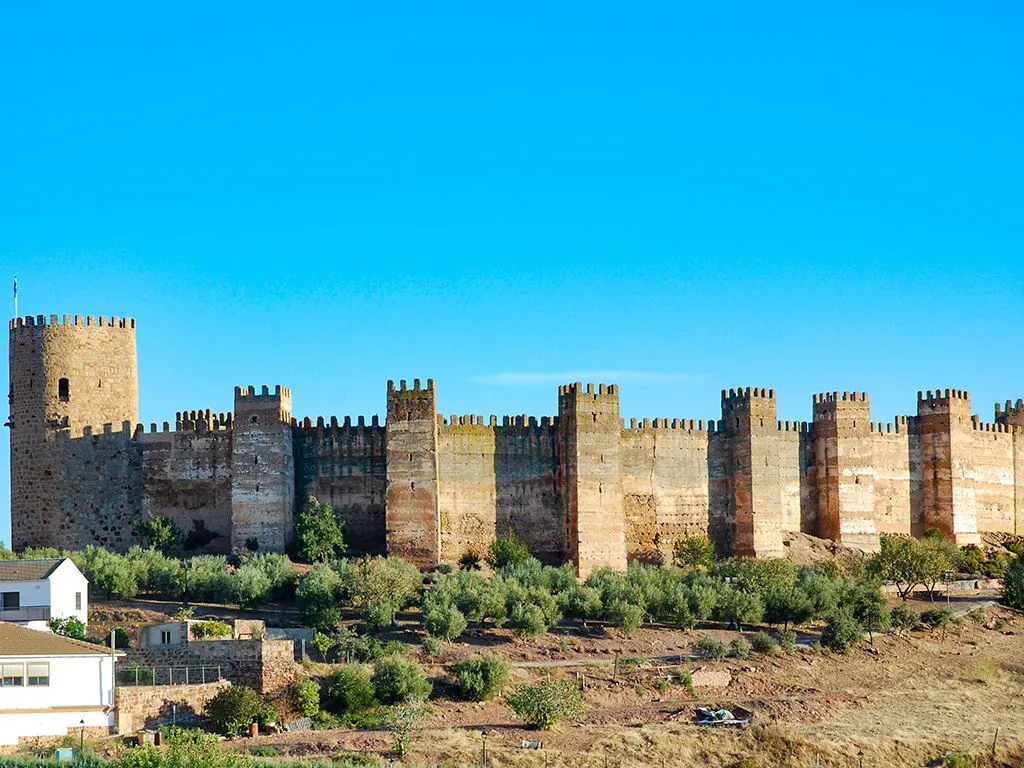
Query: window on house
9, 600
63, 390
12, 675
39, 673
165, 637
78, 601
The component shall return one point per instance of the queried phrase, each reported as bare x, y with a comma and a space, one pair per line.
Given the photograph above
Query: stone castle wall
583, 486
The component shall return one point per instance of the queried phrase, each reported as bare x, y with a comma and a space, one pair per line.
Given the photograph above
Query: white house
34, 591
50, 684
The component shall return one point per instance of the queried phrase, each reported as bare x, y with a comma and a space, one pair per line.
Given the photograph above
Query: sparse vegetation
397, 680
232, 709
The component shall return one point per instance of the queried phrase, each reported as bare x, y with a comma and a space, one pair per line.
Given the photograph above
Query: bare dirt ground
905, 701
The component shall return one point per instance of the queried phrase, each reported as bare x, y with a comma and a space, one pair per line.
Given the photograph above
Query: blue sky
680, 197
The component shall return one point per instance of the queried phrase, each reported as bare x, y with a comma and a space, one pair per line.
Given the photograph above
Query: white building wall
82, 684
65, 581
32, 594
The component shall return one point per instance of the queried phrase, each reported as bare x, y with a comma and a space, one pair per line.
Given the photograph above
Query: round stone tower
69, 379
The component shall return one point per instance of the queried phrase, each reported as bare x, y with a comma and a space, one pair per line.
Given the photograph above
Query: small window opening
255, 459
255, 419
63, 390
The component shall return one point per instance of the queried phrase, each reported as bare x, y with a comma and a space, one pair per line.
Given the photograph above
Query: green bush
159, 532
251, 586
544, 704
232, 709
737, 607
1013, 584
318, 598
432, 646
135, 675
706, 647
72, 627
349, 690
695, 552
398, 680
762, 642
318, 534
739, 648
936, 618
842, 631
903, 618
444, 621
626, 616
958, 760
380, 587
528, 619
787, 639
211, 628
508, 550
480, 677
306, 694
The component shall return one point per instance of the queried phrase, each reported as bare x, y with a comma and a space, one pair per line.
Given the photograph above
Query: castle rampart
584, 485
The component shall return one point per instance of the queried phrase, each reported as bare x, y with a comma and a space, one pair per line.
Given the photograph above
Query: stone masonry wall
186, 475
664, 484
148, 706
345, 465
890, 451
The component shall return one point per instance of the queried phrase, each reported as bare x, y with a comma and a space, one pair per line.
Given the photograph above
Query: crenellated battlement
578, 389
898, 427
795, 426
523, 421
202, 421
249, 393
321, 424
747, 393
940, 395
403, 386
838, 397
681, 425
17, 324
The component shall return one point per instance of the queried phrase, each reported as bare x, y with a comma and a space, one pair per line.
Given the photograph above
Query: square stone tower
413, 517
589, 427
262, 469
845, 471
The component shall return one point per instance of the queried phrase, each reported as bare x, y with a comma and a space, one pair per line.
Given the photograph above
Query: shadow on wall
527, 498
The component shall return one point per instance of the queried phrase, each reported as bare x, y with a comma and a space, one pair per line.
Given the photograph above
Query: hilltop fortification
582, 485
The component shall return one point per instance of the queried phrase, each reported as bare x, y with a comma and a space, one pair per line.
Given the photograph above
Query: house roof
21, 641
28, 570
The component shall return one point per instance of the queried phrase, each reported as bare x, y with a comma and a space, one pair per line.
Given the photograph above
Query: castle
582, 486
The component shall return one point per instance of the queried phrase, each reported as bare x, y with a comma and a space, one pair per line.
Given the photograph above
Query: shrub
318, 535
1013, 584
706, 647
958, 760
444, 621
739, 648
936, 618
786, 638
432, 646
72, 627
279, 570
159, 532
762, 642
544, 704
904, 618
318, 598
695, 552
508, 550
211, 628
263, 750
306, 694
379, 587
232, 709
528, 619
738, 608
842, 631
397, 680
268, 716
480, 677
208, 578
135, 675
349, 690
251, 586
626, 616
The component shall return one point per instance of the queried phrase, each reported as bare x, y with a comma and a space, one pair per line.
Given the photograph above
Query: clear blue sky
680, 197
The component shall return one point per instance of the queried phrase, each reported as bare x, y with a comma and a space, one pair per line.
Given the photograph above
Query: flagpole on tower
15, 295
